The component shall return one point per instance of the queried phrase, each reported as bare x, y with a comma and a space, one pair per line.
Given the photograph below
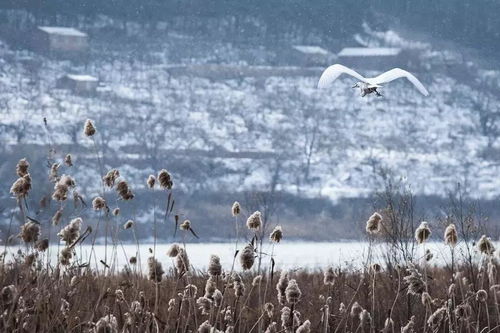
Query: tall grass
78, 293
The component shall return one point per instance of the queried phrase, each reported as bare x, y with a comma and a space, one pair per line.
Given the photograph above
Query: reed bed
404, 293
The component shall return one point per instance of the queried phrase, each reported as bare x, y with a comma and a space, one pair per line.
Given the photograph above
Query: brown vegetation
404, 293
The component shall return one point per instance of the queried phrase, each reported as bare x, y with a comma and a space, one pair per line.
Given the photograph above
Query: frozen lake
290, 255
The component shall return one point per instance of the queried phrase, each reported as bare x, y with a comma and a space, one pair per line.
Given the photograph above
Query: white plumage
369, 85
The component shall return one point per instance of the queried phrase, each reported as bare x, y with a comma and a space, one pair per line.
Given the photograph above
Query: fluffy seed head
329, 277
71, 232
281, 287
365, 317
214, 266
269, 308
30, 231
65, 256
292, 292
57, 216
124, 191
356, 309
129, 224
165, 179
276, 235
415, 282
182, 261
155, 270
450, 235
173, 251
42, 244
110, 178
108, 323
186, 225
304, 328
116, 211
485, 245
423, 232
151, 181
481, 295
21, 186
98, 203
205, 327
22, 167
89, 128
236, 209
247, 257
254, 221
68, 160
374, 223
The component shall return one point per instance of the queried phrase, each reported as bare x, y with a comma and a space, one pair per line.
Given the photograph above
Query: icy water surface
289, 255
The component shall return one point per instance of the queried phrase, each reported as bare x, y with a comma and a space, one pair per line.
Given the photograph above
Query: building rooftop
369, 52
310, 49
63, 31
77, 77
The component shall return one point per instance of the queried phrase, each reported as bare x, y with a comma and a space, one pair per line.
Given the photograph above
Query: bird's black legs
378, 94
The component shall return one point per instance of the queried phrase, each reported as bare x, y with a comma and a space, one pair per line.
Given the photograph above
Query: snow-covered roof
310, 49
63, 31
77, 77
369, 52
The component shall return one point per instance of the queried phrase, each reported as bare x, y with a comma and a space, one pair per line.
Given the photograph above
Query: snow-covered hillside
255, 132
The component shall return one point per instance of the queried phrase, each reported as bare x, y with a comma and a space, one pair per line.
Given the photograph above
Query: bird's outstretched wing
333, 72
397, 73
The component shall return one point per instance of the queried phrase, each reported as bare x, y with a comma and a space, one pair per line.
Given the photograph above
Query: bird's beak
355, 86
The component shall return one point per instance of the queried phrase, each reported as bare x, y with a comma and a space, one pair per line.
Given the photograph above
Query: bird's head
356, 85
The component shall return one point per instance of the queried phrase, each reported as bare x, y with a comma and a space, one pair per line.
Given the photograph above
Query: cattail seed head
186, 225
238, 285
463, 311
374, 223
450, 235
304, 328
214, 266
182, 261
254, 221
57, 216
204, 304
173, 251
165, 180
21, 186
42, 244
236, 209
65, 256
272, 328
329, 277
408, 328
108, 323
129, 224
110, 178
415, 281
365, 318
436, 318
8, 294
22, 167
247, 257
356, 309
99, 203
422, 233
133, 260
68, 160
124, 191
30, 231
481, 295
281, 287
485, 246
292, 292
116, 211
276, 235
151, 181
71, 232
155, 270
89, 128
269, 308
205, 327
210, 287
217, 297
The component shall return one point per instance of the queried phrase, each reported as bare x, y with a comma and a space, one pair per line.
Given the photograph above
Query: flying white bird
368, 85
